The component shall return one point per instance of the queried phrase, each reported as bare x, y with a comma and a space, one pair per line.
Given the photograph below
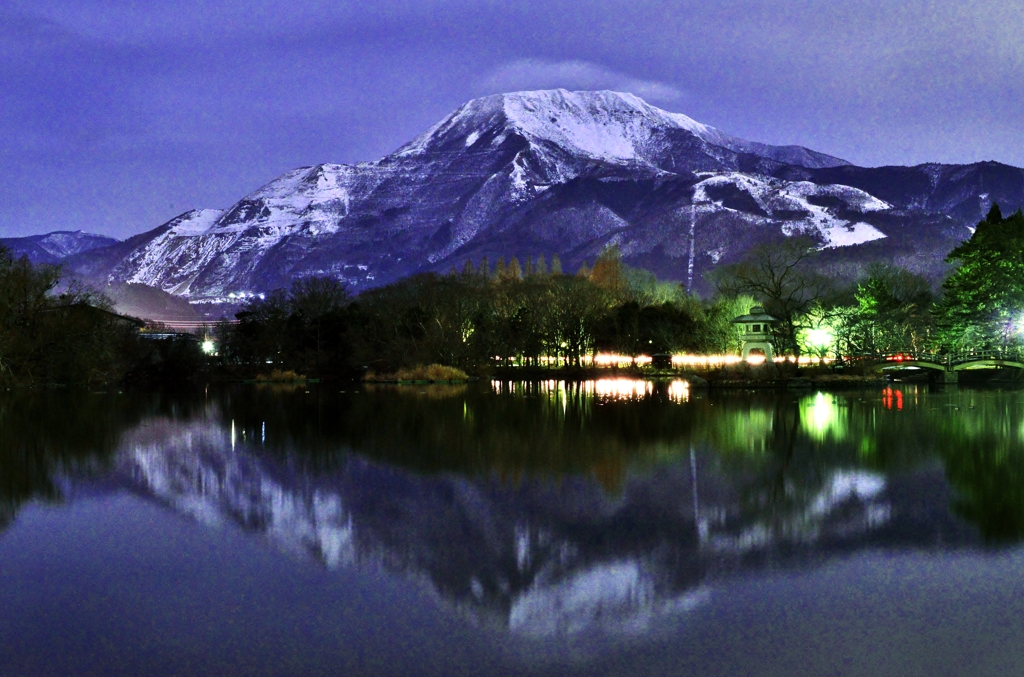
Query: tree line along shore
529, 319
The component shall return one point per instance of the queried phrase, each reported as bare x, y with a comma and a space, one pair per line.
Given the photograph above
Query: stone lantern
755, 331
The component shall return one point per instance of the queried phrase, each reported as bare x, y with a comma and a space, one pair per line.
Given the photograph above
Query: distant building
755, 331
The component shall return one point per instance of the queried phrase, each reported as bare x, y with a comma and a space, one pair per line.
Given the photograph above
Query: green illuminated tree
893, 311
983, 299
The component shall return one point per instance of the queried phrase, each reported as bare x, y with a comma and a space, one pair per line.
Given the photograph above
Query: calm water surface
609, 527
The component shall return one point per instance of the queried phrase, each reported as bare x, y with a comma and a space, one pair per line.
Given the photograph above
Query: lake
611, 527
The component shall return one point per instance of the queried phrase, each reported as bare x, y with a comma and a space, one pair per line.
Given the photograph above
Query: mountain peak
555, 172
615, 127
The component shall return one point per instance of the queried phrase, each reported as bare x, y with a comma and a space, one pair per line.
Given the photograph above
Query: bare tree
778, 275
313, 301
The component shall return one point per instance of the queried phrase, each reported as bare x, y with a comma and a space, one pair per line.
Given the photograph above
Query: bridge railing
897, 357
1011, 354
947, 360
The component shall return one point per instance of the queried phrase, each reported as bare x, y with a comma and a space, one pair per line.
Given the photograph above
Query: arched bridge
946, 363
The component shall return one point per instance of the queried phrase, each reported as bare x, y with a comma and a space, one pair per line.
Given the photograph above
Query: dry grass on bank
433, 373
279, 376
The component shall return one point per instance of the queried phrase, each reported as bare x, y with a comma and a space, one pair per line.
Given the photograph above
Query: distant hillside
149, 303
56, 246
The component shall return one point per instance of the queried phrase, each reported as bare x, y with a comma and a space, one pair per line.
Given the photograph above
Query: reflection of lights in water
605, 388
892, 398
821, 417
679, 391
619, 388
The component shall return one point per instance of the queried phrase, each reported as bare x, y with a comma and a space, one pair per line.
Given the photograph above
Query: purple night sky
117, 115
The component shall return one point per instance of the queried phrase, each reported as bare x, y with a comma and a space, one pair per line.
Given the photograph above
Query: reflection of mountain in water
542, 555
545, 507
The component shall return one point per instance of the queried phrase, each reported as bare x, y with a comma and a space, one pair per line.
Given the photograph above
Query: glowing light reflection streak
677, 390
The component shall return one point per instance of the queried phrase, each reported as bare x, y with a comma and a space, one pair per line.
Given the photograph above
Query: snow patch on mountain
850, 234
608, 126
174, 258
784, 197
761, 189
309, 198
196, 222
836, 231
64, 243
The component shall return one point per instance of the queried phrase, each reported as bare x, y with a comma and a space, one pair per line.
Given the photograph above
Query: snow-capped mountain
55, 246
556, 172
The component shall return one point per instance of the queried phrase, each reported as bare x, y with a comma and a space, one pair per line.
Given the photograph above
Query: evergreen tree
983, 299
892, 312
514, 272
556, 265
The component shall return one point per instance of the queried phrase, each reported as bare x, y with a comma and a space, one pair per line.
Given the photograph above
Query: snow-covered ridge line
605, 125
544, 173
54, 246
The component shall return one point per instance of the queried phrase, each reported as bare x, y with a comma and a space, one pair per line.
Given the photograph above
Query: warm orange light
614, 359
679, 391
619, 388
705, 360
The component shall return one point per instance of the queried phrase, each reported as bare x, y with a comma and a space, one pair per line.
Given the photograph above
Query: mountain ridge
55, 246
556, 172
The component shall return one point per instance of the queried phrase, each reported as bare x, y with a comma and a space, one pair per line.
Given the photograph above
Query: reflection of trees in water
778, 449
989, 479
760, 440
466, 430
782, 446
977, 435
722, 483
982, 442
